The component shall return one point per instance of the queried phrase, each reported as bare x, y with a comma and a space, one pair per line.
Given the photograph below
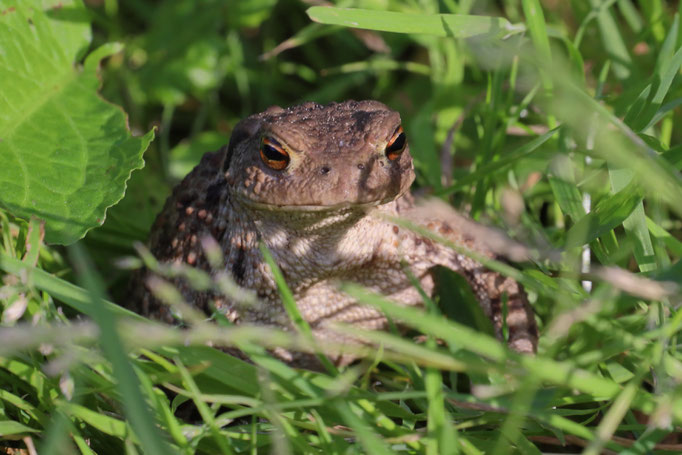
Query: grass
553, 120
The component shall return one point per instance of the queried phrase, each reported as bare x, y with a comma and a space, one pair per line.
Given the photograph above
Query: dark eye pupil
397, 145
272, 153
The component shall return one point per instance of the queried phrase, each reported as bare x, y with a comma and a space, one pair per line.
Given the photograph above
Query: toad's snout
362, 179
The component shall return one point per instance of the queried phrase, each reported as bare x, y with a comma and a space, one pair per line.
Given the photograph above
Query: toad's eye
396, 146
273, 154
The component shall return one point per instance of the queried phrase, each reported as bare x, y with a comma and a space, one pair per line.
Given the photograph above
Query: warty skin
324, 219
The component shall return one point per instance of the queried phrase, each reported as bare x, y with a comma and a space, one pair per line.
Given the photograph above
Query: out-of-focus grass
553, 120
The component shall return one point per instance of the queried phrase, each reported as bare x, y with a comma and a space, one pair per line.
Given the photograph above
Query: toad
318, 185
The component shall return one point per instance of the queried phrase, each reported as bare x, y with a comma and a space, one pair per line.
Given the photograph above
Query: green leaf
9, 427
290, 304
369, 440
72, 295
137, 410
646, 112
635, 224
453, 25
104, 423
607, 215
562, 181
66, 152
661, 234
613, 41
537, 28
505, 160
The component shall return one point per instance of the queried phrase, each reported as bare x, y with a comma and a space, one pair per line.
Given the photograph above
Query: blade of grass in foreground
141, 419
74, 296
290, 305
561, 373
535, 19
368, 438
620, 146
453, 25
203, 409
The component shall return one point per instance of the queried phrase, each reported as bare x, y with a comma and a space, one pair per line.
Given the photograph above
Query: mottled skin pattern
318, 217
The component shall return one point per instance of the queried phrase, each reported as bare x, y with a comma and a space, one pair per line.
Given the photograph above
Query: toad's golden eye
396, 146
273, 154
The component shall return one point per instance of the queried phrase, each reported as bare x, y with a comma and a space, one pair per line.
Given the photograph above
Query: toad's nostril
324, 170
361, 166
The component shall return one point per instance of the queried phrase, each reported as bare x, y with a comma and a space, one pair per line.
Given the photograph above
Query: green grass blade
442, 436
203, 409
607, 215
635, 224
74, 296
665, 55
291, 308
612, 418
370, 441
670, 242
10, 428
462, 337
620, 146
137, 409
104, 423
505, 160
535, 21
654, 12
452, 25
562, 181
662, 82
613, 40
631, 15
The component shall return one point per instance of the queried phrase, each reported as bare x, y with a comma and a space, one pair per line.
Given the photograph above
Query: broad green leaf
453, 25
66, 153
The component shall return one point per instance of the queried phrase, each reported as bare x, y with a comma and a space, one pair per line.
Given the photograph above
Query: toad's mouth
315, 208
